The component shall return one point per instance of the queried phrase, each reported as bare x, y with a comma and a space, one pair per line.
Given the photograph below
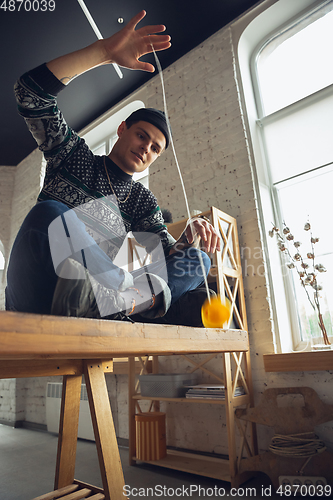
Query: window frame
274, 258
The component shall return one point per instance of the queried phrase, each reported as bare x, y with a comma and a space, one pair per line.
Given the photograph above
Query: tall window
2, 261
294, 83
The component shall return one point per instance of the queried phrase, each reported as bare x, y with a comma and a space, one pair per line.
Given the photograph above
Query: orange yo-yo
215, 313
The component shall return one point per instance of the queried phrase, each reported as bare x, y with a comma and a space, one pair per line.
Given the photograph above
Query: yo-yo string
96, 31
160, 71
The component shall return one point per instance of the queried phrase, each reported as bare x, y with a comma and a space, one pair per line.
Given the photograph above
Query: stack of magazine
210, 391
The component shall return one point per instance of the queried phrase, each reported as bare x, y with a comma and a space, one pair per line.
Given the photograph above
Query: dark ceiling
29, 38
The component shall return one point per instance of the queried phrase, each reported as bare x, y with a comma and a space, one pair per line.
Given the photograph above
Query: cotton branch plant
308, 272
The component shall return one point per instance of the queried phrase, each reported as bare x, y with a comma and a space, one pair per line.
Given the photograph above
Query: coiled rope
297, 445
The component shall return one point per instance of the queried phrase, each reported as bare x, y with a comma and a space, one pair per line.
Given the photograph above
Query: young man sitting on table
62, 259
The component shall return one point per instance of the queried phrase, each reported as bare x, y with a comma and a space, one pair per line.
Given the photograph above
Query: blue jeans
31, 277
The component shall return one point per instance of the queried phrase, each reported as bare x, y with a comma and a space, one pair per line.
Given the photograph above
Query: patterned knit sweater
77, 177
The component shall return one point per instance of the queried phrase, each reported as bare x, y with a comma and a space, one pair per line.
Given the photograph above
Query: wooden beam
35, 347
230, 411
131, 410
32, 336
120, 366
58, 493
82, 484
105, 435
25, 368
68, 428
299, 361
108, 366
40, 368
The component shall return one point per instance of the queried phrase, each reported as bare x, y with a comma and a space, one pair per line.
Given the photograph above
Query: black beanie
153, 116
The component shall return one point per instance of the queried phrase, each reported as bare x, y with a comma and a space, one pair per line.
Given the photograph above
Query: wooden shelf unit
241, 400
217, 468
227, 272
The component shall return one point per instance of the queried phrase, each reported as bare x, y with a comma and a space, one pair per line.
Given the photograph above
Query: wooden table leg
105, 435
230, 418
131, 411
248, 375
157, 405
68, 428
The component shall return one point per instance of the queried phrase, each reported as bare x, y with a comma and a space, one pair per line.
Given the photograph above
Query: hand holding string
210, 238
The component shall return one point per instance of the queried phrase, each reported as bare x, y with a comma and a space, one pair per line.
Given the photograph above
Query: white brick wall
19, 188
7, 181
211, 143
35, 399
7, 400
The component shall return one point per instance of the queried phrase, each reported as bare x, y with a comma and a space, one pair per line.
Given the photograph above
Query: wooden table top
26, 336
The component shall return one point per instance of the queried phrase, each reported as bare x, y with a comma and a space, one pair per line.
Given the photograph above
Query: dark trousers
31, 276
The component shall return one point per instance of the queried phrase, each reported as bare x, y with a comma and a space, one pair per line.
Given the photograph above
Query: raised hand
123, 48
127, 46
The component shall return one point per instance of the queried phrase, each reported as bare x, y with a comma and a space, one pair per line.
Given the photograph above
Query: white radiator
53, 404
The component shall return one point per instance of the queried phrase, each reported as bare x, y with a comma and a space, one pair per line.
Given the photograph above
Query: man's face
137, 147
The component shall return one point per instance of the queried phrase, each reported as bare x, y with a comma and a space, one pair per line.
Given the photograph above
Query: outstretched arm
123, 48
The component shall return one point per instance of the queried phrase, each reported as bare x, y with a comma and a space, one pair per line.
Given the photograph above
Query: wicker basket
150, 436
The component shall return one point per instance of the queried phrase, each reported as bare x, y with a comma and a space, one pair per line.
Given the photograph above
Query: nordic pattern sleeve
36, 93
